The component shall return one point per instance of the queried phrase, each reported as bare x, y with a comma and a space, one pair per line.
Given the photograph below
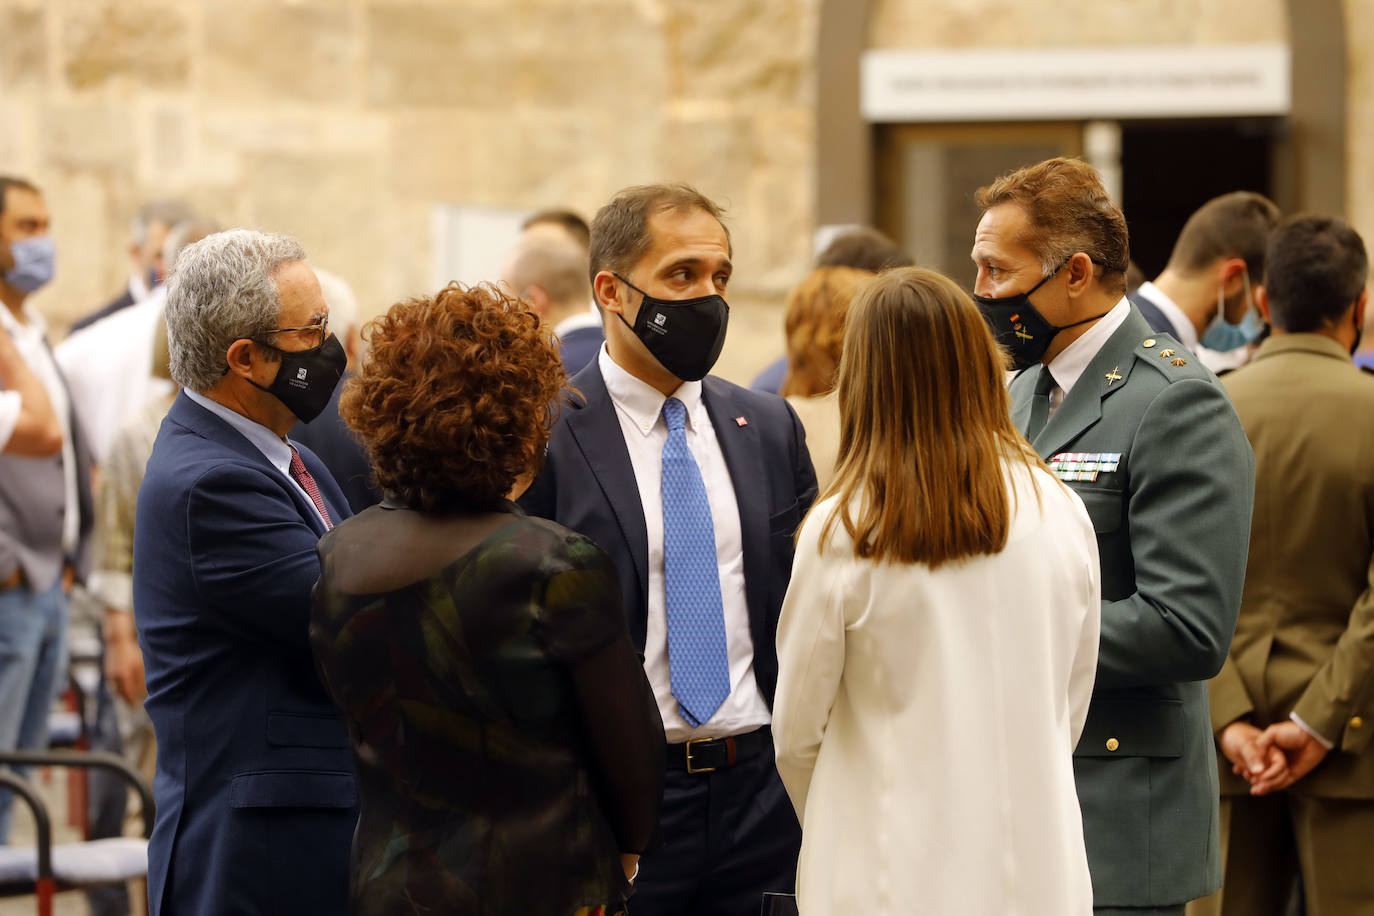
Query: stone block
333, 203
271, 51
526, 157
23, 49
426, 54
754, 54
506, 55
139, 41
88, 135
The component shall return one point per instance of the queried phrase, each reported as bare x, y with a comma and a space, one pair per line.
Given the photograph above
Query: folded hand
1300, 750
1261, 765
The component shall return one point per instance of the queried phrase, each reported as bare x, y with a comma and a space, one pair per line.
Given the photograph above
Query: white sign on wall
471, 244
1076, 84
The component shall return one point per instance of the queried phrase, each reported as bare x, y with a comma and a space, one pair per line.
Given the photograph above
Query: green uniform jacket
1170, 500
1305, 639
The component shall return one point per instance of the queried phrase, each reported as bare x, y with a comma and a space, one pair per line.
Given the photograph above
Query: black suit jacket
588, 484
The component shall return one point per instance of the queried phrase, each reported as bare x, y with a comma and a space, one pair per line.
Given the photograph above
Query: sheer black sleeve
584, 627
625, 734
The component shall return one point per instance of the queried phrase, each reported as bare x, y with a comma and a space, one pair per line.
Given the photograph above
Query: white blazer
925, 720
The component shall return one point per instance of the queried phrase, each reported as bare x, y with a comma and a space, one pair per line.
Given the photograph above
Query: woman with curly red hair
508, 747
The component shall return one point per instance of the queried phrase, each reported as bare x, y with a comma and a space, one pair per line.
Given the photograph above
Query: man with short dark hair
45, 495
1205, 297
695, 487
256, 800
1145, 436
1300, 673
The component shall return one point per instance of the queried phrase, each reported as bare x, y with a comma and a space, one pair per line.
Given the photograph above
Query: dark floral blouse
506, 738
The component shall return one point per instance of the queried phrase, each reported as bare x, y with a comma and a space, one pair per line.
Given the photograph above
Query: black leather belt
704, 755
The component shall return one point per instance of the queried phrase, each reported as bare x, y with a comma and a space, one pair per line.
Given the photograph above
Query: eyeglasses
321, 327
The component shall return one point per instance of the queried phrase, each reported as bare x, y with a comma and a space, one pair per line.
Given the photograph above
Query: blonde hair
816, 309
925, 426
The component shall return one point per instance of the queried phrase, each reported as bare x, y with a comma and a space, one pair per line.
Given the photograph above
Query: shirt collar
640, 401
1183, 325
36, 324
1318, 344
274, 448
1070, 364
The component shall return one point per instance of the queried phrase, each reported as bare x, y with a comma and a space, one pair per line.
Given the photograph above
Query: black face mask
1021, 329
684, 335
306, 378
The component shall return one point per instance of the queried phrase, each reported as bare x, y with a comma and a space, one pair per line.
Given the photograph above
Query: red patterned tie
307, 482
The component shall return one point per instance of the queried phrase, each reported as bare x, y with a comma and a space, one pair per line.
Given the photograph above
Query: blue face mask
34, 264
1221, 335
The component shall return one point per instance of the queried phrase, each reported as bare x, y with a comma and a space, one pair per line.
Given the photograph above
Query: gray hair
223, 289
166, 212
185, 233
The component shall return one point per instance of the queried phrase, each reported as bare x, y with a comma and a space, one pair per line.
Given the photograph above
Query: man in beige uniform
1301, 666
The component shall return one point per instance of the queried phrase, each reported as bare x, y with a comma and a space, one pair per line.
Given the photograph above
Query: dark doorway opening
1170, 168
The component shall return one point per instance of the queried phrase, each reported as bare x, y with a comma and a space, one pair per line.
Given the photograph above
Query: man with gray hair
256, 800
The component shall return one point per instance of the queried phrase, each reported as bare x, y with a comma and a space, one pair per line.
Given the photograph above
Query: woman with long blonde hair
938, 641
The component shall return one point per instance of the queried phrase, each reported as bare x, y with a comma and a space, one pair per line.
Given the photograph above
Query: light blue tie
698, 663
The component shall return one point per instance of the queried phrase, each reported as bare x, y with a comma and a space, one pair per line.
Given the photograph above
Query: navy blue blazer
256, 800
588, 484
579, 347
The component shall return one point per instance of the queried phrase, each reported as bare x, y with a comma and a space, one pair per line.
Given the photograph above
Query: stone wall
344, 122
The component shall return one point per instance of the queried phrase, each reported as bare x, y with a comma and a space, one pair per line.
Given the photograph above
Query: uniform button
1356, 722
1113, 744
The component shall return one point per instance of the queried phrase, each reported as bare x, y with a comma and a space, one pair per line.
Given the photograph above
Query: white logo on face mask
660, 318
300, 373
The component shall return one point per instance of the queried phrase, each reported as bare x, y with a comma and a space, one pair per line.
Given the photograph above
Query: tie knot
1044, 382
674, 414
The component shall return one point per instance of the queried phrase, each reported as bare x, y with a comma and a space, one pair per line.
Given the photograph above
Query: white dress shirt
639, 407
1071, 363
109, 366
30, 339
273, 447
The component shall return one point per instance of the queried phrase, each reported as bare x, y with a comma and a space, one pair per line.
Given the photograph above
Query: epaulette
1169, 358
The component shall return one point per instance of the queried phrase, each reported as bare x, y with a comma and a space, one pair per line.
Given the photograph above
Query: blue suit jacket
579, 347
256, 800
587, 484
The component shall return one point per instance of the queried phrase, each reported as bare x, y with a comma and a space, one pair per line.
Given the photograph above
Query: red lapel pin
741, 421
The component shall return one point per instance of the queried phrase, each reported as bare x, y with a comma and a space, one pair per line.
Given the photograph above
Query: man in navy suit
695, 487
256, 800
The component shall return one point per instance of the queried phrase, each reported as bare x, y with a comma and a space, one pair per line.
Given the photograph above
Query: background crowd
1006, 603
